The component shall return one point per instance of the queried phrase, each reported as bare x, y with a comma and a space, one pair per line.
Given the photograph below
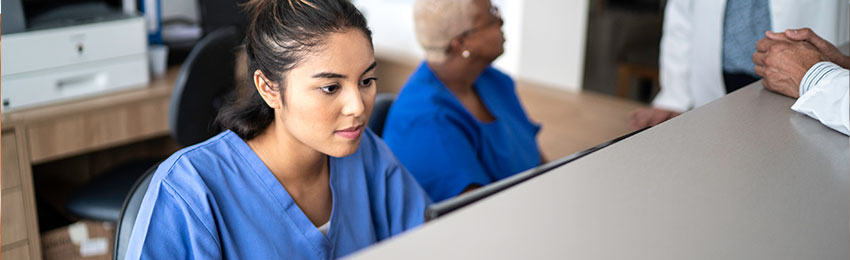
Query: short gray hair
438, 22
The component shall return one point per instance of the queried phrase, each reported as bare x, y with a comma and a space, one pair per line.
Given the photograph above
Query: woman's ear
267, 89
456, 46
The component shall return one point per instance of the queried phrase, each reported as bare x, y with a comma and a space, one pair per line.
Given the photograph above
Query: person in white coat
800, 64
707, 43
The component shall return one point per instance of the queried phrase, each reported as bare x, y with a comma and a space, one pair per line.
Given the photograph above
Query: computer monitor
441, 209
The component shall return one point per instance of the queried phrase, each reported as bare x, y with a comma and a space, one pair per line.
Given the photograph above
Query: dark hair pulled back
280, 34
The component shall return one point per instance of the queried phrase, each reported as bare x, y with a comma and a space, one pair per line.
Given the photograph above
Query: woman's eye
330, 89
368, 82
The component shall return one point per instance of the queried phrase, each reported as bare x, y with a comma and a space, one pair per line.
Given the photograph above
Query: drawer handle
83, 82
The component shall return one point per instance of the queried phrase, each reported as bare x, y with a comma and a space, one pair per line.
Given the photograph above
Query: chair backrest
205, 82
217, 14
383, 102
129, 211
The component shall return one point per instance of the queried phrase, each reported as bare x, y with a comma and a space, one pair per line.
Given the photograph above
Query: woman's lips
351, 132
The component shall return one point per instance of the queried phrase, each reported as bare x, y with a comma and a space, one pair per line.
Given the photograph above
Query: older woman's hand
783, 62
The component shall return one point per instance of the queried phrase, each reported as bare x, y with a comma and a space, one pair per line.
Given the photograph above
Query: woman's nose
353, 104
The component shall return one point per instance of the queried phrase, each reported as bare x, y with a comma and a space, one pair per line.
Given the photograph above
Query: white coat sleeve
674, 57
824, 96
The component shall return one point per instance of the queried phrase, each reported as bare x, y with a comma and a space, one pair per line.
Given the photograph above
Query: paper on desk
94, 246
79, 232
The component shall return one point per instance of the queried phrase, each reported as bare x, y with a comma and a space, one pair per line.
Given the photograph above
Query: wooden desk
574, 121
56, 131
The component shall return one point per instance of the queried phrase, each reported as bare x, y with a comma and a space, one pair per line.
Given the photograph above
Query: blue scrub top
446, 148
217, 199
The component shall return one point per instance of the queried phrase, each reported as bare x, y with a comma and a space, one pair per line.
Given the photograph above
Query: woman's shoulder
423, 86
496, 77
433, 121
373, 149
424, 100
375, 155
193, 165
422, 106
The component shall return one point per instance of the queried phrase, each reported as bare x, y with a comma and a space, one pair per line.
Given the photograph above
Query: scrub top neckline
457, 102
288, 205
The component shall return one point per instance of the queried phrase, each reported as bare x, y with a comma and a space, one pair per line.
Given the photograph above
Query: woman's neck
302, 171
291, 161
458, 74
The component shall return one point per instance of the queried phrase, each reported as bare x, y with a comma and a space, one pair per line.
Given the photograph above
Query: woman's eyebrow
371, 67
331, 75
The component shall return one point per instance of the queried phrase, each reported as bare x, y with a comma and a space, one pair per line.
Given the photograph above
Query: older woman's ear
455, 46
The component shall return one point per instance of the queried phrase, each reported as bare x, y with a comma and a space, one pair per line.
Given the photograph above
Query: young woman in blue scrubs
297, 176
457, 123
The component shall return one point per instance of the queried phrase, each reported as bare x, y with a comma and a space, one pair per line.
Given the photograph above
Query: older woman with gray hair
457, 123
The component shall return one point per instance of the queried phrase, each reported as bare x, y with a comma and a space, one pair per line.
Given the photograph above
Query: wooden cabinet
21, 252
11, 166
56, 131
19, 238
14, 220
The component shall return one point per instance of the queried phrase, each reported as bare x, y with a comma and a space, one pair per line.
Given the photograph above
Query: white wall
393, 35
512, 11
545, 39
553, 42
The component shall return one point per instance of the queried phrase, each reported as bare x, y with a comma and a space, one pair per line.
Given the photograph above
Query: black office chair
383, 102
217, 14
214, 15
129, 211
205, 81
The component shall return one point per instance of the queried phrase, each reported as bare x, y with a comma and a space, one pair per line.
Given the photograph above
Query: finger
759, 57
764, 44
775, 48
801, 34
760, 70
765, 81
806, 34
776, 36
782, 84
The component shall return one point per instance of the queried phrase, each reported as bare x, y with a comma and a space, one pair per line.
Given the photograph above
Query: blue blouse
446, 148
217, 199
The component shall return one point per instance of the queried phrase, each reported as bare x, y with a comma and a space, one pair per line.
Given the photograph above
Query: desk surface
743, 177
